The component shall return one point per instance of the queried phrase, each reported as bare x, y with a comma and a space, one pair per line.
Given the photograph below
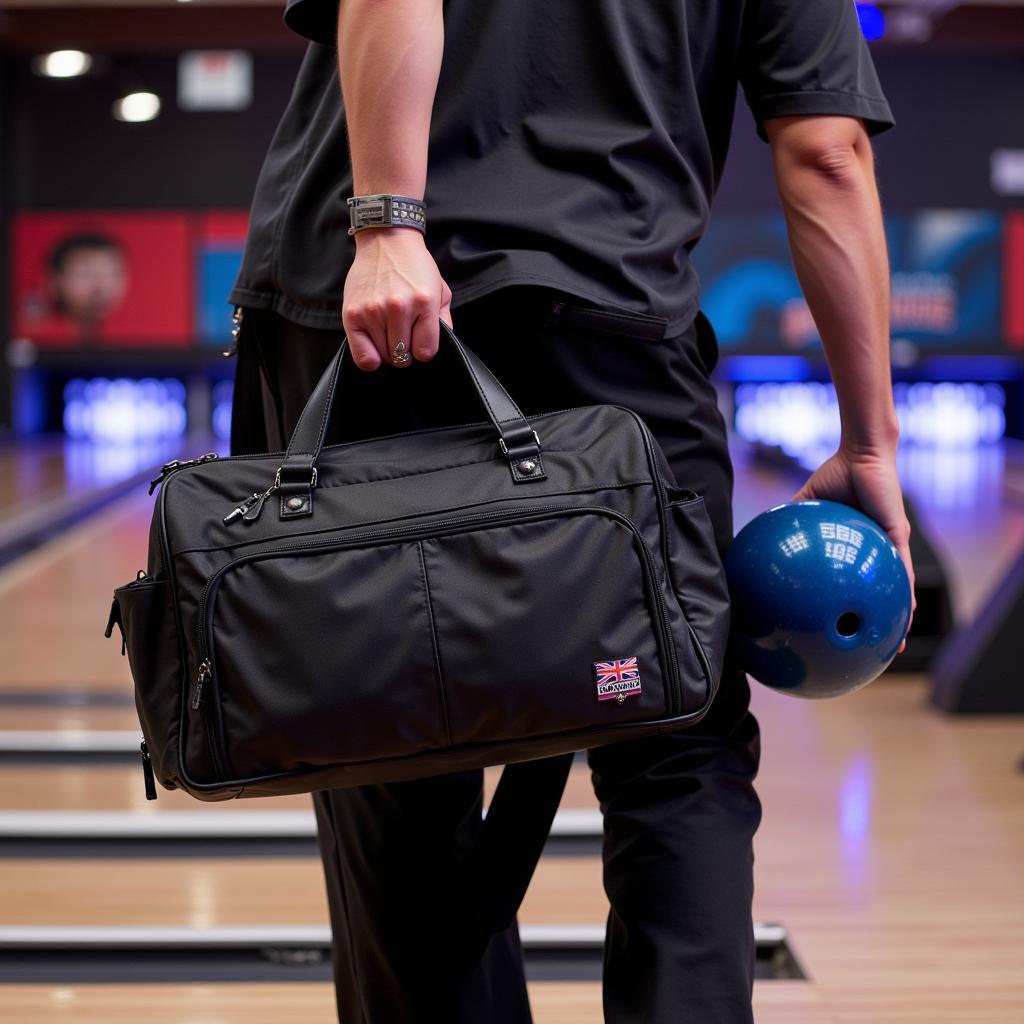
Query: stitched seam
501, 387
823, 92
480, 390
437, 648
318, 441
370, 522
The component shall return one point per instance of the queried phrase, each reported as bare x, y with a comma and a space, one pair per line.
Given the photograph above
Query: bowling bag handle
517, 439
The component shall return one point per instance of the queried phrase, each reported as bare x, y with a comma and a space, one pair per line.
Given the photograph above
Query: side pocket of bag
698, 576
151, 640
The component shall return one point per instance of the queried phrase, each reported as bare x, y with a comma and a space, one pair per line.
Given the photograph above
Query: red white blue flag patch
617, 679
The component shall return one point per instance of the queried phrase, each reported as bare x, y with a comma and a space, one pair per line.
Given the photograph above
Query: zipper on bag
213, 743
169, 467
205, 688
147, 771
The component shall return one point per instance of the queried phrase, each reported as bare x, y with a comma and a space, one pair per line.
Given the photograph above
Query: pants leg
391, 854
680, 810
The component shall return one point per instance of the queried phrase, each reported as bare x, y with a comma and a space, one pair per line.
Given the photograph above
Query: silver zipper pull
204, 676
250, 509
147, 771
252, 513
243, 507
236, 331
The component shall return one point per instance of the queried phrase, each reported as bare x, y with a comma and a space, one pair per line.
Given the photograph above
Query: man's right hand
866, 480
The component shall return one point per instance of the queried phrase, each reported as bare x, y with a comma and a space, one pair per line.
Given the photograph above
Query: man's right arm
824, 171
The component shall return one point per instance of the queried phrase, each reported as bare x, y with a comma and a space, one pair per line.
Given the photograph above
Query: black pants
680, 810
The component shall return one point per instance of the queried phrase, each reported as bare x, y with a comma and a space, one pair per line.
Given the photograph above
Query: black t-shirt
576, 145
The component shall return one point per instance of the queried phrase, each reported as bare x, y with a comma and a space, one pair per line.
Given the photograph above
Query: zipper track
436, 528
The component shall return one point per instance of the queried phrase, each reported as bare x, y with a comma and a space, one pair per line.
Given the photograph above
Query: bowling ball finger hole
848, 624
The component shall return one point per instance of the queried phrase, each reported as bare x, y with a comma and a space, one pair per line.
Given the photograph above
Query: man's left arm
389, 62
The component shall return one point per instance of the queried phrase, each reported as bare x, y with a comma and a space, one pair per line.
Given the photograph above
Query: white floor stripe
538, 936
69, 741
72, 825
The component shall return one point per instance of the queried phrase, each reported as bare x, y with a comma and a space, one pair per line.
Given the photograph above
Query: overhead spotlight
62, 64
907, 25
137, 106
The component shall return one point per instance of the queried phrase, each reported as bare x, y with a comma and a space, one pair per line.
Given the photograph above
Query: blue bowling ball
820, 598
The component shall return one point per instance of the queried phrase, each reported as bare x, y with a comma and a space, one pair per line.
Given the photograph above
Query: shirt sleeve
314, 19
798, 57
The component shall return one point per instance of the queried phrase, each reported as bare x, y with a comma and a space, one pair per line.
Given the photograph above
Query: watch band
386, 210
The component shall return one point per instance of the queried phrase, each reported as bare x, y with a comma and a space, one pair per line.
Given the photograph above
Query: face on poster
102, 279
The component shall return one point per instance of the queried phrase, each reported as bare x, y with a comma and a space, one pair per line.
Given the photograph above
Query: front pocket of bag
323, 660
470, 630
544, 625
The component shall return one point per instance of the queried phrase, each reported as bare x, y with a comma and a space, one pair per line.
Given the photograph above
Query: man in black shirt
573, 150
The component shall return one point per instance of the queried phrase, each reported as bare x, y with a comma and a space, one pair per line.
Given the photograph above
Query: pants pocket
628, 323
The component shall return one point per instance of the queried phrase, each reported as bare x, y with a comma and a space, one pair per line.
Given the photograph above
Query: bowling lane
216, 892
54, 601
48, 469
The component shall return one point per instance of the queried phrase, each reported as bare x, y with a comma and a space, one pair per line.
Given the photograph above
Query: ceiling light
62, 64
137, 106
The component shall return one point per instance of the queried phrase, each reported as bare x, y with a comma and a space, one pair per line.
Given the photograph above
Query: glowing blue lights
222, 392
855, 802
123, 411
872, 21
801, 415
951, 415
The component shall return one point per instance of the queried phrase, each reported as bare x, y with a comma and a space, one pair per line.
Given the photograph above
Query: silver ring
399, 354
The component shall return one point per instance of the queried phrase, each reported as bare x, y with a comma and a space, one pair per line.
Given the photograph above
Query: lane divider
212, 824
533, 936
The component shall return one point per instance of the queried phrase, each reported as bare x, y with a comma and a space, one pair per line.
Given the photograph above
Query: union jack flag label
617, 679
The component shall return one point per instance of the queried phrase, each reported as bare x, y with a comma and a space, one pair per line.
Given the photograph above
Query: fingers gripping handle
517, 439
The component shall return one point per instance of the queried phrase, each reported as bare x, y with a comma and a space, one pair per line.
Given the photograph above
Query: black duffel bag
433, 600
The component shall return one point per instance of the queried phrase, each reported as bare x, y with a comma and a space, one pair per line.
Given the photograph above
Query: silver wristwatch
385, 210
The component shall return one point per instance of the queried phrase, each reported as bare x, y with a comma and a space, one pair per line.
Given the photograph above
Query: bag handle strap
517, 440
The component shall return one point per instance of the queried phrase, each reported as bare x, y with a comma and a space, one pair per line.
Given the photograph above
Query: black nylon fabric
432, 614
572, 145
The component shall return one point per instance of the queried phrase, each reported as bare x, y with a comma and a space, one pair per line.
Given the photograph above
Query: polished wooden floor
553, 1003
892, 847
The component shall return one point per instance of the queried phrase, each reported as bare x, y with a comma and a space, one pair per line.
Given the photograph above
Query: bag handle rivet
294, 503
527, 466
